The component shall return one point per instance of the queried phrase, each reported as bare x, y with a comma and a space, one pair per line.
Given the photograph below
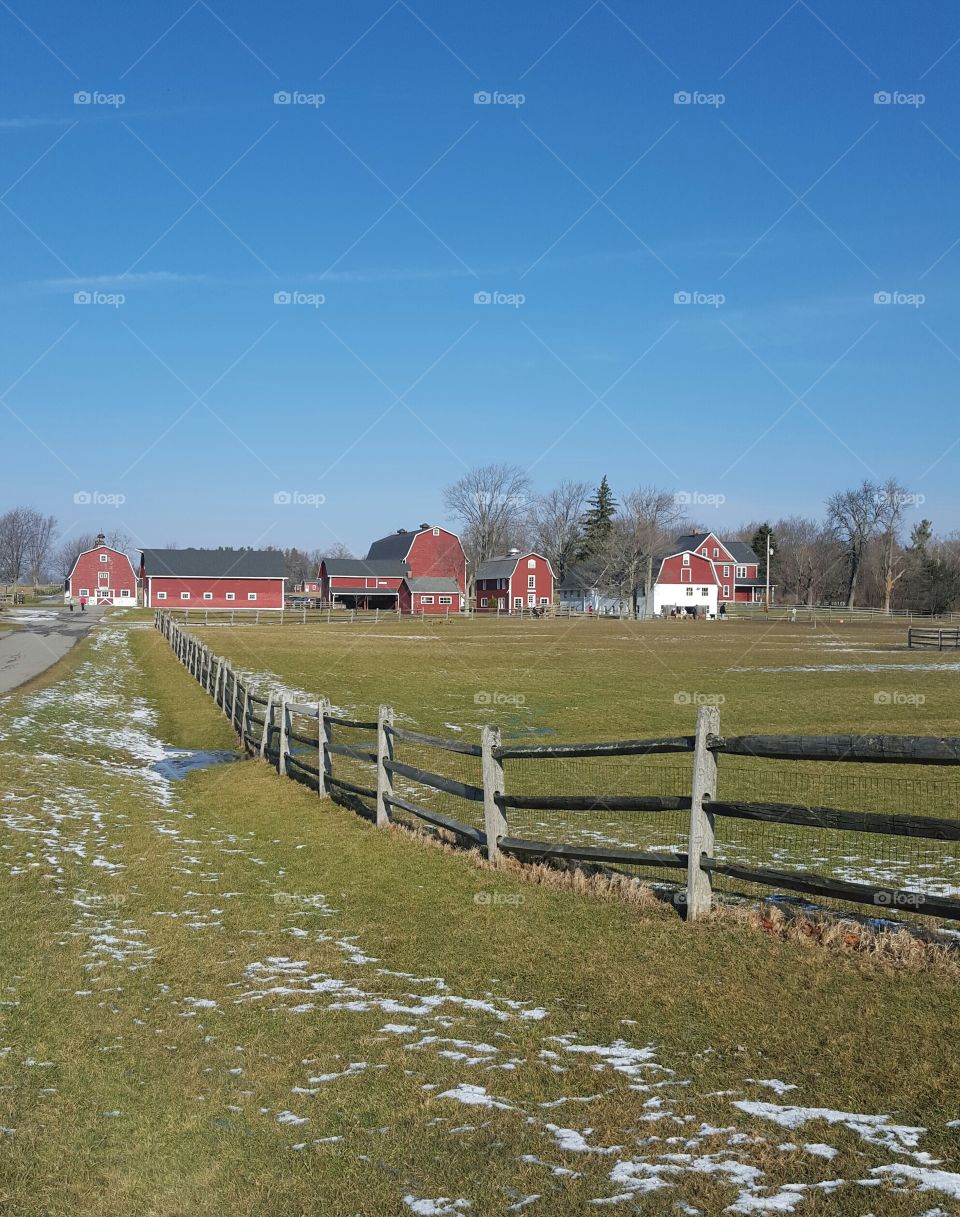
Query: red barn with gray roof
515, 582
213, 578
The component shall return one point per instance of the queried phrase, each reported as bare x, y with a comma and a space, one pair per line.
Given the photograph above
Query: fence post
284, 745
494, 822
384, 755
245, 716
267, 724
704, 787
236, 698
323, 747
218, 681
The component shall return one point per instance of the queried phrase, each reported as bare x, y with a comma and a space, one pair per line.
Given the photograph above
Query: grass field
545, 681
222, 995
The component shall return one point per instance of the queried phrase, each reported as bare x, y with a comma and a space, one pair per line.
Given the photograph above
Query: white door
532, 599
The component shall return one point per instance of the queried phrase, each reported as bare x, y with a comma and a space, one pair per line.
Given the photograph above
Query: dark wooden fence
930, 639
312, 744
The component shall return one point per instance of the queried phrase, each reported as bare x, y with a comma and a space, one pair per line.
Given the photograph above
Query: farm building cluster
413, 571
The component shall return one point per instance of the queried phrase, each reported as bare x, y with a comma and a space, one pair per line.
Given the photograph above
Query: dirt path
45, 635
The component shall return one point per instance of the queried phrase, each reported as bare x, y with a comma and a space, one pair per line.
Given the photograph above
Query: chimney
424, 526
101, 540
401, 532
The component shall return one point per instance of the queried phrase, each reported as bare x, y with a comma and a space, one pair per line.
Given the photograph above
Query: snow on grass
876, 1129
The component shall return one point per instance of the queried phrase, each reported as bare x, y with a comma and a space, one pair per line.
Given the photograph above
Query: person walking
70, 603
83, 604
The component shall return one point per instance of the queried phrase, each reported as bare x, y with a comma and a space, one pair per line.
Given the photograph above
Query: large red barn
212, 578
102, 575
429, 552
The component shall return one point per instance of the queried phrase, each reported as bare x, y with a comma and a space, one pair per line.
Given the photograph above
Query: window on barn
726, 572
518, 602
444, 600
689, 591
531, 582
426, 600
716, 552
741, 572
184, 595
436, 532
161, 595
208, 595
251, 595
231, 595
726, 590
124, 591
686, 559
531, 563
104, 557
544, 599
485, 602
704, 552
704, 591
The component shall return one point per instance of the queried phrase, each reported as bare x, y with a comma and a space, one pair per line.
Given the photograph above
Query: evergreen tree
758, 543
597, 520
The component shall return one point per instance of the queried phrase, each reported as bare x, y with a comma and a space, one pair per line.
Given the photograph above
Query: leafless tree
853, 517
647, 520
892, 506
42, 530
554, 524
72, 547
14, 543
491, 502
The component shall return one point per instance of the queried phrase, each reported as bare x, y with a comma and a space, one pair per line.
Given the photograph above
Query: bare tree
73, 547
853, 517
14, 543
42, 530
892, 505
491, 502
647, 520
554, 524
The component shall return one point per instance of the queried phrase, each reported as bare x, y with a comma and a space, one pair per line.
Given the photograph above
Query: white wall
669, 594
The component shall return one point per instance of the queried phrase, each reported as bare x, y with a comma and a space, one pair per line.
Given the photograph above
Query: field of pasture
598, 679
221, 994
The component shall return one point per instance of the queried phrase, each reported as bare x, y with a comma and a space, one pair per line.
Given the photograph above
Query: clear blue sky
797, 198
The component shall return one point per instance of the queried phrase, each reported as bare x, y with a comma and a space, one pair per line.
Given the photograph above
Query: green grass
240, 864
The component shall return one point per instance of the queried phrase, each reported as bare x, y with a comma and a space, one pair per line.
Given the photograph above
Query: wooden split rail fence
268, 728
930, 639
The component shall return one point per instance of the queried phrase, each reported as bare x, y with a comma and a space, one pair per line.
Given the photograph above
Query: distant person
723, 612
70, 603
793, 616
83, 604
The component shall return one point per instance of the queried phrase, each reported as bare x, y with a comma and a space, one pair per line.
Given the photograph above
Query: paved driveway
45, 635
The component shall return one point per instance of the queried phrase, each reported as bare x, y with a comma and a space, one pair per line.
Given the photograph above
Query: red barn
736, 571
212, 578
357, 584
515, 582
428, 552
102, 575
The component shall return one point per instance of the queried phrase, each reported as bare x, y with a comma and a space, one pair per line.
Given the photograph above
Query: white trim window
544, 599
161, 595
184, 595
726, 572
125, 591
426, 600
208, 595
104, 557
251, 595
531, 583
84, 591
436, 532
705, 552
231, 596
726, 591
518, 602
531, 564
686, 559
704, 591
444, 600
689, 591
741, 572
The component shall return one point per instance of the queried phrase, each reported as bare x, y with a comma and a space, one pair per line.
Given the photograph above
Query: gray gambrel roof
738, 550
214, 563
426, 583
498, 568
396, 546
357, 567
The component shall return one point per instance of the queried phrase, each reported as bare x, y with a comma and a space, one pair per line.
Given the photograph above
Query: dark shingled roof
579, 579
742, 553
426, 583
498, 568
359, 568
738, 550
396, 545
215, 563
692, 540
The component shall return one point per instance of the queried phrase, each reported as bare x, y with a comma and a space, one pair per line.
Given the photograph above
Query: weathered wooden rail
926, 638
274, 727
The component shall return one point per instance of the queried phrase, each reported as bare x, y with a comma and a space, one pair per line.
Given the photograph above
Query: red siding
436, 606
518, 586
269, 592
438, 556
699, 571
88, 569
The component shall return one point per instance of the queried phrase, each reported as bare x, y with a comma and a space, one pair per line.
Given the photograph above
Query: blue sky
780, 198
